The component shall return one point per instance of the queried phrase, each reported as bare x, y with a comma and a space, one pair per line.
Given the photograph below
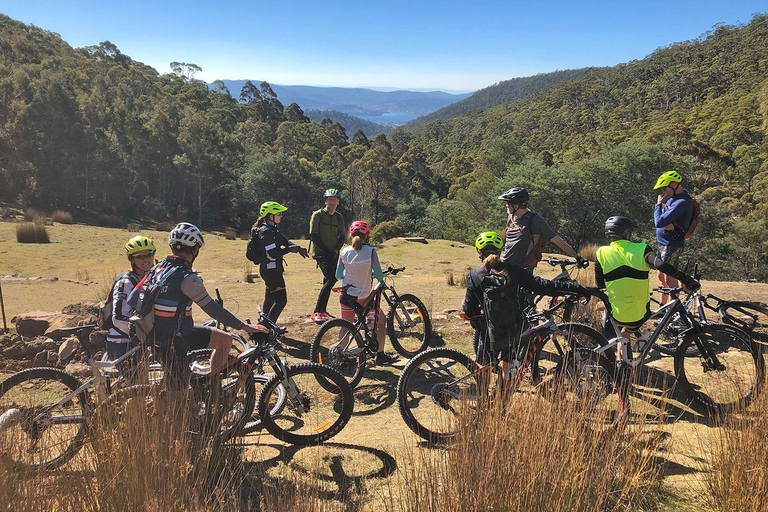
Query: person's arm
545, 286
564, 246
541, 226
121, 310
656, 262
314, 234
664, 217
599, 277
376, 267
192, 286
342, 234
472, 305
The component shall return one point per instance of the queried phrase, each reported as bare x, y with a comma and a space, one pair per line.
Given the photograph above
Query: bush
134, 227
386, 230
230, 234
32, 215
32, 233
62, 217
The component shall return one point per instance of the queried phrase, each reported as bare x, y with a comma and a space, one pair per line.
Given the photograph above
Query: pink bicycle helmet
359, 226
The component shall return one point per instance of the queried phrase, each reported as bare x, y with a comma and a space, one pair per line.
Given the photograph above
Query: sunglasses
279, 213
144, 256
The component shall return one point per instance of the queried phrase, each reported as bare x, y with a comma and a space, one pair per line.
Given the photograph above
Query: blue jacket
678, 210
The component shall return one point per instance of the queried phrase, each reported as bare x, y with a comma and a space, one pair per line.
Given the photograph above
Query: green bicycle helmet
488, 238
139, 243
271, 207
332, 192
667, 178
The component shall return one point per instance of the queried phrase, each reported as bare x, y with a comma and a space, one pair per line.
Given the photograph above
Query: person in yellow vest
622, 268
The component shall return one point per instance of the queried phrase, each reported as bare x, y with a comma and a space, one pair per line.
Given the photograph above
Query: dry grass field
369, 463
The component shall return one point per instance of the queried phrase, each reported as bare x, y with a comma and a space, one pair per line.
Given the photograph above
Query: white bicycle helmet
186, 234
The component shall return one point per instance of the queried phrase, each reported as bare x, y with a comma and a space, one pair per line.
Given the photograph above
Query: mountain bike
725, 371
574, 311
442, 389
45, 412
348, 346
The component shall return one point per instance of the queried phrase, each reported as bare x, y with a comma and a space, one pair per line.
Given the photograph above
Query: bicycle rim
729, 384
439, 392
312, 413
409, 326
338, 344
32, 434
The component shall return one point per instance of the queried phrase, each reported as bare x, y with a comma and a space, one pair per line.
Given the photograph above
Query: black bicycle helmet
618, 226
515, 195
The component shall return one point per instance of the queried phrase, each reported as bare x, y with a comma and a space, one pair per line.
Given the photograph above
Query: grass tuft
62, 217
32, 233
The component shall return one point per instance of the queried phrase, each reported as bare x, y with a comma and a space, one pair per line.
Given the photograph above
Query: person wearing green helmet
275, 246
672, 215
327, 233
141, 255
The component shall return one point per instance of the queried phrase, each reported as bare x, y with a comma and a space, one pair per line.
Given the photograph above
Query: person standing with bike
672, 216
358, 264
527, 233
622, 268
141, 256
275, 246
327, 233
175, 333
487, 243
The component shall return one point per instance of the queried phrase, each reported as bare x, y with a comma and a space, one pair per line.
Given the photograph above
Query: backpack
104, 314
142, 299
687, 233
254, 251
538, 247
501, 307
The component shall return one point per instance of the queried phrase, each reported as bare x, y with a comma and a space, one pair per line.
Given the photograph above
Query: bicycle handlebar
393, 271
567, 263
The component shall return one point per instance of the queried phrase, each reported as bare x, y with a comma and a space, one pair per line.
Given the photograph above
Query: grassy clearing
371, 463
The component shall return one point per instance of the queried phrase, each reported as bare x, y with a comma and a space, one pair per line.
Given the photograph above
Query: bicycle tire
324, 350
315, 414
424, 382
409, 340
578, 342
729, 387
253, 424
60, 441
752, 317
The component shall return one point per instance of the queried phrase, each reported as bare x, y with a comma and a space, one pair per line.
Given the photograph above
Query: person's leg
623, 378
328, 268
268, 301
280, 299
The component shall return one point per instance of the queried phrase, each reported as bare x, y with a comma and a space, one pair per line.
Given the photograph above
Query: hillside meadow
376, 463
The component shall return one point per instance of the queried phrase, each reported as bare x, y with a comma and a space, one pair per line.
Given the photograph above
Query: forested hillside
350, 123
93, 132
497, 94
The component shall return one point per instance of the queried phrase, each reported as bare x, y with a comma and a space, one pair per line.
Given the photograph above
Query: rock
78, 369
53, 357
98, 339
68, 347
18, 351
38, 323
41, 359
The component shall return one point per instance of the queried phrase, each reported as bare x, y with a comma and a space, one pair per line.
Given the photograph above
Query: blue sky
399, 43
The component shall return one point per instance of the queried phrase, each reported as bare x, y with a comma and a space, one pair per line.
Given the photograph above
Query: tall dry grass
62, 217
536, 455
32, 233
737, 479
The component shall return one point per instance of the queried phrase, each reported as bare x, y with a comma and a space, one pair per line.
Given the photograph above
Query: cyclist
527, 232
327, 232
141, 256
487, 243
357, 264
622, 269
275, 246
503, 311
671, 217
175, 332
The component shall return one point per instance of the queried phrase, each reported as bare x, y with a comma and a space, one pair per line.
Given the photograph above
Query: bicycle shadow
338, 474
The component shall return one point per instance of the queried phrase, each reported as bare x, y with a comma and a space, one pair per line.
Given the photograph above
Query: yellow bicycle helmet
271, 207
488, 238
138, 244
667, 178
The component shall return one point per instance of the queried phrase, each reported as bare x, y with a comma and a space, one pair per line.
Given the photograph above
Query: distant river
390, 118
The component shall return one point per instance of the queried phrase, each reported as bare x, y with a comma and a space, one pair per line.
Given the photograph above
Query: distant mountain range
356, 101
350, 123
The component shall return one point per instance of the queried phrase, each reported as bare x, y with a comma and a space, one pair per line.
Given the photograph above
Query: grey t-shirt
518, 246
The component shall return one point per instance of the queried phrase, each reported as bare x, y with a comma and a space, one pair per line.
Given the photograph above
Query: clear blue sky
445, 44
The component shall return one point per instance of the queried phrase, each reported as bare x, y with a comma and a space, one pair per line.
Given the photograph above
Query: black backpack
254, 251
142, 299
501, 307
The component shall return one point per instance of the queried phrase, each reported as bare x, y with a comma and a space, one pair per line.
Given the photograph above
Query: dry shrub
164, 226
32, 215
32, 233
230, 234
62, 217
134, 227
450, 279
536, 455
738, 476
588, 251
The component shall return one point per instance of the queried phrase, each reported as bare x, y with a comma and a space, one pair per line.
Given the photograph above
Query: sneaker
386, 359
317, 317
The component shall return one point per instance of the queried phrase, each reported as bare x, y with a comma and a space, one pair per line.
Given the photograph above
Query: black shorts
670, 253
273, 278
328, 267
172, 352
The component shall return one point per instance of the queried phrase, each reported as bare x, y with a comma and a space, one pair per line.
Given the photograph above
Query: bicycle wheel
312, 413
254, 422
340, 345
35, 430
730, 374
672, 336
437, 393
408, 326
752, 317
583, 370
